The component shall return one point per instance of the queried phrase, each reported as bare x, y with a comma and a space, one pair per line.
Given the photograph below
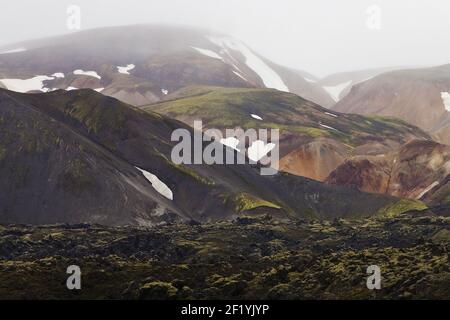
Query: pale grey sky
319, 36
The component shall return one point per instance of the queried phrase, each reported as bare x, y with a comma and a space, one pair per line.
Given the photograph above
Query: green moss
232, 107
97, 119
157, 290
245, 202
264, 259
187, 171
442, 235
389, 120
402, 206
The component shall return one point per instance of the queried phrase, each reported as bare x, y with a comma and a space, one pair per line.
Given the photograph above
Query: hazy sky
319, 36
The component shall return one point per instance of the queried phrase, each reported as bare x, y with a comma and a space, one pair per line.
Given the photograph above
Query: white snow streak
309, 80
255, 116
58, 75
125, 70
87, 73
25, 85
446, 100
157, 184
208, 53
328, 127
269, 77
331, 114
335, 91
239, 75
14, 51
431, 186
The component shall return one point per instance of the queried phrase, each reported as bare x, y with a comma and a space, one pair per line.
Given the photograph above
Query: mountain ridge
314, 140
176, 57
414, 95
100, 146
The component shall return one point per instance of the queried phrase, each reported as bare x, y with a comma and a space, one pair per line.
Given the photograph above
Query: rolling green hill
313, 140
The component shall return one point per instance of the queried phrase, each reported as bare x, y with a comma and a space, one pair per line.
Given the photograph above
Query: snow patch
255, 116
208, 53
239, 75
164, 91
269, 77
231, 142
24, 85
73, 88
157, 184
259, 149
125, 70
331, 114
309, 80
87, 73
431, 186
58, 75
364, 80
335, 91
14, 51
328, 127
446, 100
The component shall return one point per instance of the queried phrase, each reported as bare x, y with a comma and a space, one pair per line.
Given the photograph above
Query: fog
319, 36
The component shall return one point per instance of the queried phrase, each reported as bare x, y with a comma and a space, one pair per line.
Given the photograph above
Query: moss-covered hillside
250, 258
313, 140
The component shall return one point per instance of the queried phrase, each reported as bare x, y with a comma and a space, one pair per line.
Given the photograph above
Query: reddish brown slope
410, 172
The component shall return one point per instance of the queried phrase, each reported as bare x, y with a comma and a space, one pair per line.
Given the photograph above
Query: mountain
140, 64
412, 171
313, 140
338, 85
80, 156
418, 96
